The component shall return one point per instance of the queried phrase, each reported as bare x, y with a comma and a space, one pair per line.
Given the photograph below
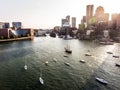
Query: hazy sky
48, 13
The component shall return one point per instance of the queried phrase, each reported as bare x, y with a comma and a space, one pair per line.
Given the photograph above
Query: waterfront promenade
17, 39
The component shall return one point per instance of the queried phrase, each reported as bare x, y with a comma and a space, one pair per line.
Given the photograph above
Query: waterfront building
6, 25
73, 22
4, 33
9, 33
17, 25
89, 13
1, 25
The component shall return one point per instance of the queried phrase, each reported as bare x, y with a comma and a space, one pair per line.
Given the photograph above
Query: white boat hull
25, 67
41, 80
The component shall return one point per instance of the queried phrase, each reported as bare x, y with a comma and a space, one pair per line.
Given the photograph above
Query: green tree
92, 21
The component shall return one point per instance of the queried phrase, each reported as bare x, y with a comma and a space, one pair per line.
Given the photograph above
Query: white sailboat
67, 49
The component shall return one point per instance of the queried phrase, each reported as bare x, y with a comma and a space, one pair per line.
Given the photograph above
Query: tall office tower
89, 13
99, 11
63, 21
68, 18
74, 22
100, 15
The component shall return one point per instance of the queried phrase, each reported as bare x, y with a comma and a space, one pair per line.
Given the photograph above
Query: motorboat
115, 56
41, 80
117, 64
46, 63
25, 67
88, 54
65, 56
82, 61
101, 80
54, 59
67, 49
67, 37
67, 64
109, 52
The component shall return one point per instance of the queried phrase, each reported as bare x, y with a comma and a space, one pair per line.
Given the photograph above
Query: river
56, 75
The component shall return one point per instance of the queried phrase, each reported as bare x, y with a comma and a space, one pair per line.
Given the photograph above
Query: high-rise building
99, 11
114, 17
68, 18
74, 22
89, 13
63, 22
100, 15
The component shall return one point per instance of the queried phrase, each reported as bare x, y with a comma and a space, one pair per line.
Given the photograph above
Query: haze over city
48, 13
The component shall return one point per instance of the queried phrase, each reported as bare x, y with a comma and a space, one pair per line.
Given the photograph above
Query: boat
25, 67
115, 56
67, 64
101, 80
109, 52
82, 61
117, 64
88, 54
41, 80
54, 59
67, 37
65, 56
67, 49
106, 43
46, 63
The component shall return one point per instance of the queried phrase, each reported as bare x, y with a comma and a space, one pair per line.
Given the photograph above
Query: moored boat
67, 64
88, 54
41, 80
82, 61
117, 64
115, 56
101, 80
25, 67
109, 52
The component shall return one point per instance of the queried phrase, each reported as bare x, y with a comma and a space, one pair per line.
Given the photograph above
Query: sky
46, 14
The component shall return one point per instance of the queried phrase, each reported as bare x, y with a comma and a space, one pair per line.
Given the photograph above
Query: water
57, 75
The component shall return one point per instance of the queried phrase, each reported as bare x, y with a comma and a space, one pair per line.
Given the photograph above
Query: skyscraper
68, 18
89, 13
74, 22
100, 15
63, 22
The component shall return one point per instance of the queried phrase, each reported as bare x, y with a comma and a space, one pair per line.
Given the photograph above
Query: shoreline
17, 39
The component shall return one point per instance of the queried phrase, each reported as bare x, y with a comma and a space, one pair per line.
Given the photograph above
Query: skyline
47, 14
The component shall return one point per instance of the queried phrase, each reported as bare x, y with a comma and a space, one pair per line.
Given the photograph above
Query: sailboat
67, 49
40, 79
25, 66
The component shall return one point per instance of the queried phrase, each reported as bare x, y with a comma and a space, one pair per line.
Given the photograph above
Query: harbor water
56, 74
